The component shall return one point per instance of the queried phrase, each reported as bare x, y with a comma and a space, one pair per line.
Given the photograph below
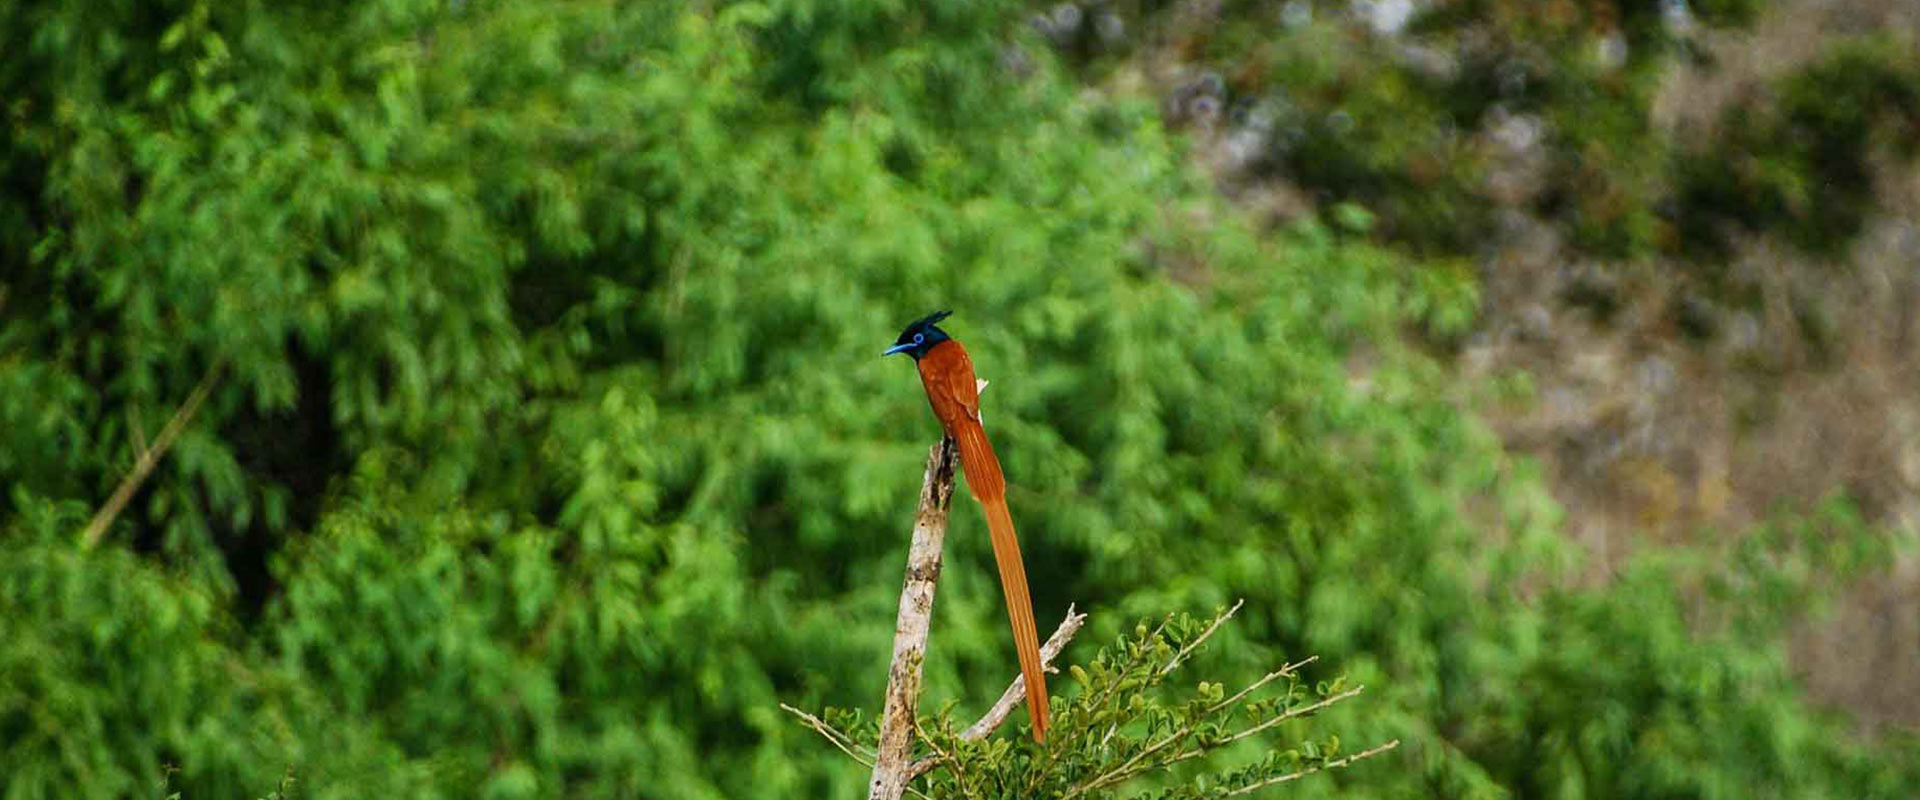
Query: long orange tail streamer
982, 469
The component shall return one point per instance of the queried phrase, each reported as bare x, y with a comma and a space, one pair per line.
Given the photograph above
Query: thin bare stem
959, 775
137, 431
1126, 770
149, 458
1292, 776
1264, 680
1291, 714
821, 727
1294, 712
1201, 639
845, 744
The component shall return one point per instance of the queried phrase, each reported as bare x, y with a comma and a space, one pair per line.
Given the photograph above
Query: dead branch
149, 458
894, 757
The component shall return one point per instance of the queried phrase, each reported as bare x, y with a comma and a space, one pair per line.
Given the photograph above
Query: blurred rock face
1680, 387
1199, 101
1081, 28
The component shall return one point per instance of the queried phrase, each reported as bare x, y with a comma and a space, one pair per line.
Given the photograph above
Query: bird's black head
920, 337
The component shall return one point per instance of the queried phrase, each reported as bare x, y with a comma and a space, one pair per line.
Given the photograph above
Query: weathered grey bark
892, 763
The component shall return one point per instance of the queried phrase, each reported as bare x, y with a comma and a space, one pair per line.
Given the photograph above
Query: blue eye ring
919, 338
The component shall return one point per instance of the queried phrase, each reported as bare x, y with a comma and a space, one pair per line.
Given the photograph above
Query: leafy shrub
1125, 724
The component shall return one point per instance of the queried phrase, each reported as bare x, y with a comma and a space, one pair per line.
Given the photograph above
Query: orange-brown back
947, 374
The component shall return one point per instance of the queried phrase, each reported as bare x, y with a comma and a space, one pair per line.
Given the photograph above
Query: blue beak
898, 348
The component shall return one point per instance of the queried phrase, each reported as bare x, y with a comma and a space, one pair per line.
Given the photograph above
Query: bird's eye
919, 338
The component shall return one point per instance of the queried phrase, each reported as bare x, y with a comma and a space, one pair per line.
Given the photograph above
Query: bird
947, 374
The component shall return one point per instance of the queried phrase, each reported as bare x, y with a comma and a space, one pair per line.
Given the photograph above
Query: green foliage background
549, 446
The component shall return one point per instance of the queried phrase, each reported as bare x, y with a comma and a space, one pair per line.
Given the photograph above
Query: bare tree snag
893, 761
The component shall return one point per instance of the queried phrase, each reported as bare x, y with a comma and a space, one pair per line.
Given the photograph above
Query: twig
1264, 680
846, 745
1015, 694
1289, 714
1201, 639
1250, 788
821, 727
893, 759
137, 431
149, 457
1294, 712
959, 775
1126, 770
